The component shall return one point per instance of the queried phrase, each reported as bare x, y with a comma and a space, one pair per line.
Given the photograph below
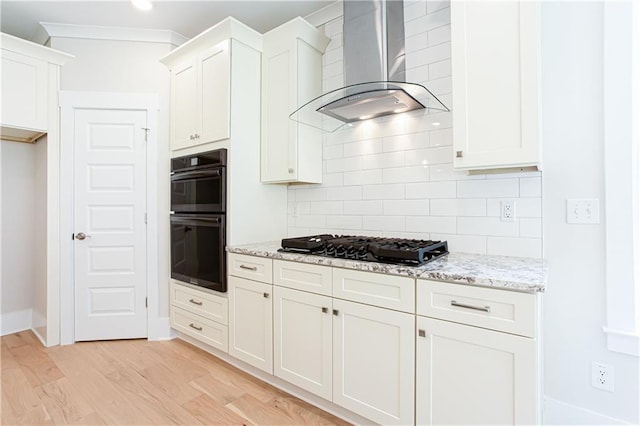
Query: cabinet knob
458, 154
325, 310
191, 137
290, 170
265, 295
422, 333
197, 136
336, 312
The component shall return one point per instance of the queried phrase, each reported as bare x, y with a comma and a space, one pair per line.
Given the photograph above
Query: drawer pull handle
249, 268
195, 327
195, 302
422, 333
475, 308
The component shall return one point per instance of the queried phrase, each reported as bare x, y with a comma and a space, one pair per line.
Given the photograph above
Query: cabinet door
24, 91
478, 376
495, 66
373, 362
250, 322
213, 112
302, 340
184, 95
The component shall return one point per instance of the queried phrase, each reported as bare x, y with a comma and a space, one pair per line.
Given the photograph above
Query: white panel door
109, 224
373, 362
469, 375
302, 339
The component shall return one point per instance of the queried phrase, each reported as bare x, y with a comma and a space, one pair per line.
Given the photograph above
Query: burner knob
362, 253
340, 250
351, 252
330, 249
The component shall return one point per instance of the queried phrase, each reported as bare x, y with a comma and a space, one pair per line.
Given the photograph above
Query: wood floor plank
220, 391
36, 364
6, 359
208, 411
18, 396
304, 413
21, 338
171, 383
259, 413
63, 402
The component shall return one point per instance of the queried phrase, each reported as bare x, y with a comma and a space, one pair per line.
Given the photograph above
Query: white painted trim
160, 329
326, 14
51, 29
70, 100
12, 322
24, 47
560, 413
621, 177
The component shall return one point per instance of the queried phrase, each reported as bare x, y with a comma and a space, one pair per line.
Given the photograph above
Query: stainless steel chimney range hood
374, 65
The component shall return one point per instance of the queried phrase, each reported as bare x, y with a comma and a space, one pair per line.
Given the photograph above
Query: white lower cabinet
470, 375
302, 336
373, 362
250, 322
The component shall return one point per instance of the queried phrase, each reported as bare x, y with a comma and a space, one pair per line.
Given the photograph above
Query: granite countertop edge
505, 272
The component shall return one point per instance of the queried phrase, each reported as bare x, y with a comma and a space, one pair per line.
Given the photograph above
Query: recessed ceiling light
142, 4
435, 123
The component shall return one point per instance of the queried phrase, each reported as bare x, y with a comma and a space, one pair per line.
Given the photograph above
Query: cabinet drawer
500, 310
203, 329
302, 276
198, 302
251, 267
387, 291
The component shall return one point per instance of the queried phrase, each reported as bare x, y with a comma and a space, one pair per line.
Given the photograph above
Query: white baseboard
560, 413
160, 329
13, 322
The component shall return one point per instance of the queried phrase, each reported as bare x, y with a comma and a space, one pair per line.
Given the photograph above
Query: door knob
81, 236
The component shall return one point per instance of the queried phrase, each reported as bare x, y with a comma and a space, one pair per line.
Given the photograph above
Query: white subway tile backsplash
429, 156
344, 193
431, 224
405, 174
531, 227
383, 192
371, 146
439, 35
379, 161
406, 142
344, 222
393, 176
490, 226
363, 177
430, 190
458, 207
522, 247
363, 208
531, 187
495, 188
406, 207
440, 69
474, 244
383, 223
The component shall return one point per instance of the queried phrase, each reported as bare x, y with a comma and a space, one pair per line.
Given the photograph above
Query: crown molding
47, 30
326, 14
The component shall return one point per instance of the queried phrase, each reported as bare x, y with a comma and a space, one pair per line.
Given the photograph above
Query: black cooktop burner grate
371, 249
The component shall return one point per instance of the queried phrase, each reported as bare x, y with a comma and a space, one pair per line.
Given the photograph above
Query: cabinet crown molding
303, 30
225, 29
29, 48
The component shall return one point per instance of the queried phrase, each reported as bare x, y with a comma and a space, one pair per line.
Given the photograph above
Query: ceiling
21, 17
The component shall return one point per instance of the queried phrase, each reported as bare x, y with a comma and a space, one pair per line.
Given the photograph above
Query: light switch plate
583, 210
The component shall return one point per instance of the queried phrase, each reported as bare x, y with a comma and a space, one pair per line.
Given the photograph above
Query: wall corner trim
623, 341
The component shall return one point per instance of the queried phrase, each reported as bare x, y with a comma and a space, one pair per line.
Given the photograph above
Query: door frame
70, 101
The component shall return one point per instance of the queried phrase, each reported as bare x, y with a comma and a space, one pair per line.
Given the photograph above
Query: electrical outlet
508, 210
602, 376
583, 210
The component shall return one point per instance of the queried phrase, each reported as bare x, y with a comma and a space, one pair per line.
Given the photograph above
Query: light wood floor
137, 382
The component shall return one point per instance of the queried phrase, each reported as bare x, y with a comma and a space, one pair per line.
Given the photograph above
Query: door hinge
146, 134
146, 302
145, 218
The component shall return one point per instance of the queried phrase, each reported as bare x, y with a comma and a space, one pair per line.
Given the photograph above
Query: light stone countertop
510, 273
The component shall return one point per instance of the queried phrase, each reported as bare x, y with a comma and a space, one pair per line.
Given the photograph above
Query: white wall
20, 262
133, 67
394, 176
572, 93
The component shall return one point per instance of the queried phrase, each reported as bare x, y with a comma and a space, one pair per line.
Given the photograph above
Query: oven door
199, 191
197, 250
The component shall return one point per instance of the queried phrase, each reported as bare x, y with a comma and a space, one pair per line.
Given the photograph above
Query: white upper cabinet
291, 76
202, 71
496, 96
29, 88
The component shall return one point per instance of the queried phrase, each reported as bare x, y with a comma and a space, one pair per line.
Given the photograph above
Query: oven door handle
196, 174
195, 220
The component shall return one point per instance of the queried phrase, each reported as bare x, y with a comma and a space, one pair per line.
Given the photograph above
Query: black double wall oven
198, 219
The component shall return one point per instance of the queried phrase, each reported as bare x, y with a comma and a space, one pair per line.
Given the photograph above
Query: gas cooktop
368, 249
